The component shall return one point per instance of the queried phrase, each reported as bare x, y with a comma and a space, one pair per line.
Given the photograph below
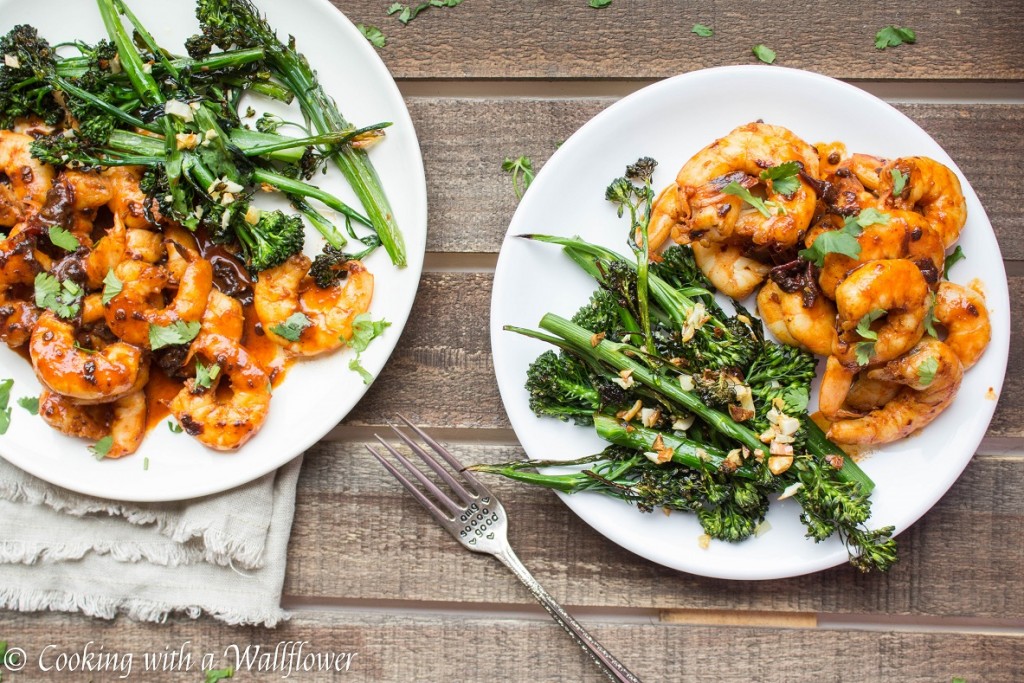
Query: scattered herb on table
702, 30
215, 675
521, 169
407, 13
764, 53
373, 34
598, 4
892, 36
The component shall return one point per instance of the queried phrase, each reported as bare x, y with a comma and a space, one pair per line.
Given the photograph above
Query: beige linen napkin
222, 555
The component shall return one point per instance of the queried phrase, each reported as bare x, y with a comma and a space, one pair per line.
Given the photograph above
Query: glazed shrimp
127, 200
130, 313
666, 220
223, 316
868, 394
105, 254
895, 287
20, 262
930, 376
809, 328
711, 216
27, 179
731, 272
286, 289
127, 424
907, 235
74, 419
224, 423
931, 188
835, 386
853, 184
97, 376
962, 312
143, 245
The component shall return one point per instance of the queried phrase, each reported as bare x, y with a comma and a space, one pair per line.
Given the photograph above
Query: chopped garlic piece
745, 397
704, 541
789, 425
790, 490
784, 438
186, 140
632, 412
762, 528
777, 464
650, 416
179, 109
778, 448
12, 61
686, 382
767, 436
252, 215
681, 424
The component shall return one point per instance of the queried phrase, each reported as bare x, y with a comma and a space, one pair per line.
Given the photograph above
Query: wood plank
652, 38
442, 374
464, 142
962, 560
470, 648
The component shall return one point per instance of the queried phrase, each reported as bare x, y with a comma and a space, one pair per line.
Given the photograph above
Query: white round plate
670, 121
316, 394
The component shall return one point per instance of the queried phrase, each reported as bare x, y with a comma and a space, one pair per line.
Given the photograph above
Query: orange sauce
159, 391
268, 354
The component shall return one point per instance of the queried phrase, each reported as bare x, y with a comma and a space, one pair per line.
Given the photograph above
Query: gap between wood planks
918, 92
654, 617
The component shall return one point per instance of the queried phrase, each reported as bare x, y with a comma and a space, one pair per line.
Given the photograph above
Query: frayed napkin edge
103, 607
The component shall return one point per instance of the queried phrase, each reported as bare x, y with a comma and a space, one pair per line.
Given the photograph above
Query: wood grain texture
464, 142
652, 38
442, 374
347, 503
462, 649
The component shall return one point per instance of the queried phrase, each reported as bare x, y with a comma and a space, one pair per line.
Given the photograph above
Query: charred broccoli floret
271, 240
560, 386
27, 60
329, 267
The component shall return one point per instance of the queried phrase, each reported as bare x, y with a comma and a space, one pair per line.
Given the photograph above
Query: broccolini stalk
238, 22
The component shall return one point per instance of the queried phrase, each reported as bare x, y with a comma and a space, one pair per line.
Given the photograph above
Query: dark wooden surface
369, 573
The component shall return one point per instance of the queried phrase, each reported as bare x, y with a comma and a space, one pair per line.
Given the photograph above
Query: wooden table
370, 573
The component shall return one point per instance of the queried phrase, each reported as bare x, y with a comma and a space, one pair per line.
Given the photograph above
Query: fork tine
410, 487
465, 495
449, 458
438, 494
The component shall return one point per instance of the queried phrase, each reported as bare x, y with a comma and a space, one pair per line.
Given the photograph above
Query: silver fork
478, 521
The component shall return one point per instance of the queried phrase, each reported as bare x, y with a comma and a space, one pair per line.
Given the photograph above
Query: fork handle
613, 668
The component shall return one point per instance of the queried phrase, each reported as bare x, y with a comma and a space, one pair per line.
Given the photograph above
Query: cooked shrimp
962, 312
139, 304
223, 316
868, 394
930, 376
895, 287
224, 423
286, 289
74, 419
830, 156
835, 386
143, 245
127, 200
101, 375
665, 220
931, 188
810, 328
89, 189
105, 254
128, 424
907, 235
710, 215
731, 272
20, 262
27, 179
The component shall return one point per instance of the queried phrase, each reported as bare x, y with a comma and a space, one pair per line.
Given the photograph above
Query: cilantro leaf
102, 447
112, 286
702, 30
764, 53
291, 329
864, 351
373, 34
30, 403
952, 259
785, 177
205, 374
891, 36
407, 13
899, 181
927, 369
598, 4
174, 427
796, 399
5, 398
843, 241
63, 298
216, 675
63, 239
178, 332
364, 331
522, 173
743, 193
930, 319
864, 325
355, 366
